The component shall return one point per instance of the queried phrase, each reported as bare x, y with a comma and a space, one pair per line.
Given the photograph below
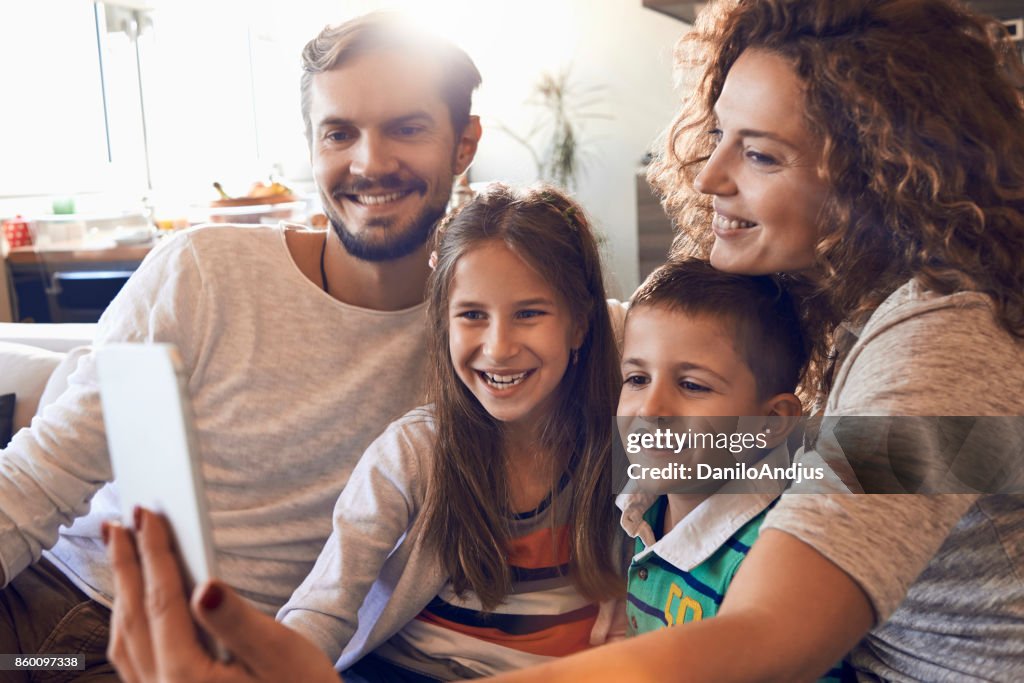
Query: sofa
35, 361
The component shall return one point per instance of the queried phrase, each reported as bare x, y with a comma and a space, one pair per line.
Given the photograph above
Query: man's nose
373, 157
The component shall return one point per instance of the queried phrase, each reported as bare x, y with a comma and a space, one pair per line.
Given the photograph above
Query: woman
874, 151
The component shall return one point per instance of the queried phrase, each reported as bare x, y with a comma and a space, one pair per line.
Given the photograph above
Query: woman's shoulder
922, 352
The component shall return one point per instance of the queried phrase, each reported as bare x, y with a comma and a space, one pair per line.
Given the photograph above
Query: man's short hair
336, 45
759, 311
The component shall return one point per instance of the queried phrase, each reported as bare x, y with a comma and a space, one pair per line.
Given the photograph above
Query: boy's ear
783, 413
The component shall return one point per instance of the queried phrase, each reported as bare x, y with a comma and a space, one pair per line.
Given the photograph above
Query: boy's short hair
763, 316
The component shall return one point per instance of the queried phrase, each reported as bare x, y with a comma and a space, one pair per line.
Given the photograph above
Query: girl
476, 534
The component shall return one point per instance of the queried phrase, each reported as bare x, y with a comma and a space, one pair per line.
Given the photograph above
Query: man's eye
338, 136
407, 131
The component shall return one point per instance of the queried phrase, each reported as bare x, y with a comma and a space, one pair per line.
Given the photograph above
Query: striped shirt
542, 617
660, 593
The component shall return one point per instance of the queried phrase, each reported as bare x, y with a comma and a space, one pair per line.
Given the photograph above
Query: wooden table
34, 271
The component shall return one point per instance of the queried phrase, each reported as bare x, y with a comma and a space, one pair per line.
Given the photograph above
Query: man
299, 347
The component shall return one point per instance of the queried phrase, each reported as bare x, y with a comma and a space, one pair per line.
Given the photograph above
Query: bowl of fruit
266, 202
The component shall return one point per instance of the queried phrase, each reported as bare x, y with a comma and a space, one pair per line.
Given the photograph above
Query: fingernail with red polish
105, 532
137, 516
212, 597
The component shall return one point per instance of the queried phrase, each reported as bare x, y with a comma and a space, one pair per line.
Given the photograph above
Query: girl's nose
500, 343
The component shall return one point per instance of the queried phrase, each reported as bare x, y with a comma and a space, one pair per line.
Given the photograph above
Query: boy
703, 349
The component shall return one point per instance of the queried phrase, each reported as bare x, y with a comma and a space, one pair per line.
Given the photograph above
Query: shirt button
632, 620
642, 573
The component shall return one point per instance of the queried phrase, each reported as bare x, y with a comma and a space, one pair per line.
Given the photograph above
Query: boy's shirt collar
698, 535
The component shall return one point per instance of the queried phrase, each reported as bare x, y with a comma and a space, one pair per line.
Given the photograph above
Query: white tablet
152, 446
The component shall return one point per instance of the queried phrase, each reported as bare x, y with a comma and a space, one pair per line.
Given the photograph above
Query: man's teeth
504, 381
375, 199
731, 223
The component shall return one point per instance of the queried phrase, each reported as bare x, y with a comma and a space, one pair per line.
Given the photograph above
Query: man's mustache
389, 183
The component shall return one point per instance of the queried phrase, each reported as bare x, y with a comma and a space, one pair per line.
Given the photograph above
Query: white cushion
24, 371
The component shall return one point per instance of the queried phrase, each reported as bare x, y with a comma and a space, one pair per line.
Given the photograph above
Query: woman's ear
783, 413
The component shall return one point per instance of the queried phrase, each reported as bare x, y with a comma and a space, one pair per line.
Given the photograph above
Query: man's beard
394, 246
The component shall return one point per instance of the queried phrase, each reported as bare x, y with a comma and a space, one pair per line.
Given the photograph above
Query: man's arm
49, 472
789, 615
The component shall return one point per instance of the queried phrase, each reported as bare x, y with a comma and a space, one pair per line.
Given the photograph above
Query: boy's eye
690, 385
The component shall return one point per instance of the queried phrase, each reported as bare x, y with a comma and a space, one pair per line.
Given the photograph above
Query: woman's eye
761, 159
716, 135
690, 385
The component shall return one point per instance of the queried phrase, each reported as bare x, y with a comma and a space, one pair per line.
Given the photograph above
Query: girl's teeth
732, 223
503, 381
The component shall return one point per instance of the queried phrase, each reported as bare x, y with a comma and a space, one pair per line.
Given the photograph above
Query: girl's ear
783, 413
579, 332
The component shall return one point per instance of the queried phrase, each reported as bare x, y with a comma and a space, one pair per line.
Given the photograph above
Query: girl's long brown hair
467, 511
918, 113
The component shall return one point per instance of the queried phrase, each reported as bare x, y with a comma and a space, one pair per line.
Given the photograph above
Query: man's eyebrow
420, 115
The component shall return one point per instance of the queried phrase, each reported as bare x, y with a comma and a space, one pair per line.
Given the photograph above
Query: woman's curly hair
917, 107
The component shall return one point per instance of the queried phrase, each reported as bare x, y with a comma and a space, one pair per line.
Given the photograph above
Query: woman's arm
789, 615
154, 640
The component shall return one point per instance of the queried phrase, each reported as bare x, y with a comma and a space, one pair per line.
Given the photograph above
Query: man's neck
391, 285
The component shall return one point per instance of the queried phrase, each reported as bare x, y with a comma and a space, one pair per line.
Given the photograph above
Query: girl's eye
471, 315
690, 385
636, 380
526, 315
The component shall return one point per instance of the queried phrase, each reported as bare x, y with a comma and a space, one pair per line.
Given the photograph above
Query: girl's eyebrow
536, 301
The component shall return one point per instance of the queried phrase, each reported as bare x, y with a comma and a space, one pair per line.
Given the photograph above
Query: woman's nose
715, 178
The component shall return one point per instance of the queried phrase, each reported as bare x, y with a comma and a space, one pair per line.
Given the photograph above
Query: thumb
250, 636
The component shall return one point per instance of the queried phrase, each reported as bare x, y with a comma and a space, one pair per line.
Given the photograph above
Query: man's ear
465, 148
783, 413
